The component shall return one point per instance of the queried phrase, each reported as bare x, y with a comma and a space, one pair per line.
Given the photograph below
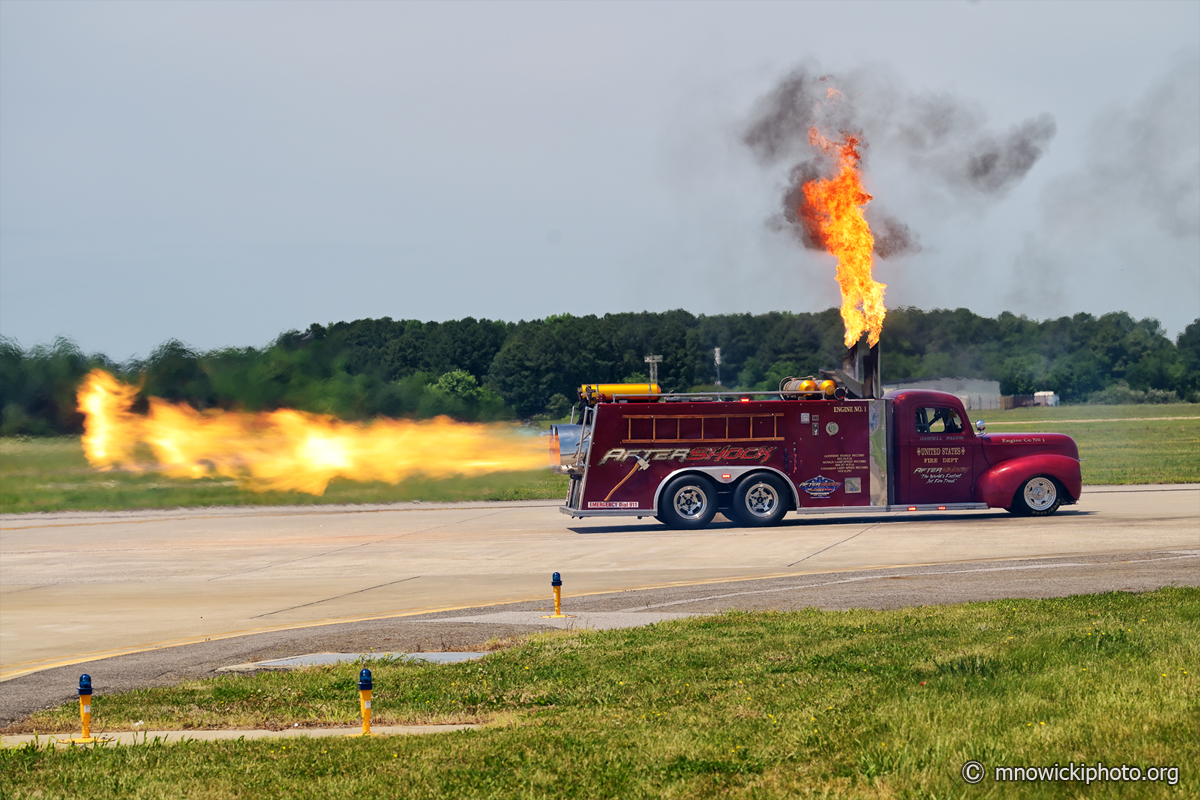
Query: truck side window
938, 420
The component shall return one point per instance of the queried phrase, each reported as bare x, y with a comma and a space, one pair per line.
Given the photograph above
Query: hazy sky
221, 172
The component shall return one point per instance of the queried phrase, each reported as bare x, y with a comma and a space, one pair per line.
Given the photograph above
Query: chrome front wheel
1039, 496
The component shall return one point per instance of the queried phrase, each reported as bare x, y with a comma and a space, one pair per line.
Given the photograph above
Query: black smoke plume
892, 237
942, 137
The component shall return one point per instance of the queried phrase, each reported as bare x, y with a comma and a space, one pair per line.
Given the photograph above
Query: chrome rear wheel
759, 500
689, 501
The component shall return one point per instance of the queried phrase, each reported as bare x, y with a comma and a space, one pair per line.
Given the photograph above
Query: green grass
52, 475
1090, 412
834, 704
1131, 451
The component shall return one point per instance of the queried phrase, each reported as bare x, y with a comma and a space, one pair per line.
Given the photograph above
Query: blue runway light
85, 685
364, 680
556, 580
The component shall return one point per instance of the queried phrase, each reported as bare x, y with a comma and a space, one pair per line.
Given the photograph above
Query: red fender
998, 485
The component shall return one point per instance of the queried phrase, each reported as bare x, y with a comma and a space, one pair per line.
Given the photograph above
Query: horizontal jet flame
289, 450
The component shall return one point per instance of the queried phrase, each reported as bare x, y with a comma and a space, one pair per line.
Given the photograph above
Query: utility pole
653, 361
717, 359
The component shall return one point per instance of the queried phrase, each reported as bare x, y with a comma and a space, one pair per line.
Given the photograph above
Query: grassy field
827, 704
1118, 444
52, 475
1018, 415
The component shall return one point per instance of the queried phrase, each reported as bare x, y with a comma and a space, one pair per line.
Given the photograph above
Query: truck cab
940, 459
935, 449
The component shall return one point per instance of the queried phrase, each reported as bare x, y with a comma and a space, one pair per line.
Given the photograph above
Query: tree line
482, 370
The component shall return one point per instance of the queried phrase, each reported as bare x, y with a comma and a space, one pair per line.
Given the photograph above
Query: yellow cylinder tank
607, 392
804, 388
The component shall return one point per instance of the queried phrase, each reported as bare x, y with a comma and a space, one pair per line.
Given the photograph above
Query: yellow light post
364, 701
85, 712
556, 582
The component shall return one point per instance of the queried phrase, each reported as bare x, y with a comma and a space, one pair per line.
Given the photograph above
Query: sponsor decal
853, 485
612, 504
831, 428
820, 486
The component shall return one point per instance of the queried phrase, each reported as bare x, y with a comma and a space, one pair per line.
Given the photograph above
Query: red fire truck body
682, 459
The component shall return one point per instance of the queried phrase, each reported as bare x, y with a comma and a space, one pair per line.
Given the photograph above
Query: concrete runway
81, 586
470, 629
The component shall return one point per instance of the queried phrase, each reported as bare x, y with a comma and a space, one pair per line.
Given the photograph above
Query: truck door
937, 453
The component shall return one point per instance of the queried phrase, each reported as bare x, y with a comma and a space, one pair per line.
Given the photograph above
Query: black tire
689, 502
759, 500
1040, 496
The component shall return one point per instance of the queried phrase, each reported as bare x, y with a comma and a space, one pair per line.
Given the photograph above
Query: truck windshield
938, 420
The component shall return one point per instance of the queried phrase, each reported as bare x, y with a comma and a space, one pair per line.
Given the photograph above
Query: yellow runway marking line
29, 667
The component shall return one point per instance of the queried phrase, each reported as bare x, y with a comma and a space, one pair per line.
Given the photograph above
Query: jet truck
832, 443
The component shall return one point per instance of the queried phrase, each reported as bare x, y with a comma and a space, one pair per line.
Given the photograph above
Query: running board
646, 512
606, 512
893, 509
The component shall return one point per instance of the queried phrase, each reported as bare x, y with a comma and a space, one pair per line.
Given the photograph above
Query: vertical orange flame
289, 450
833, 210
110, 430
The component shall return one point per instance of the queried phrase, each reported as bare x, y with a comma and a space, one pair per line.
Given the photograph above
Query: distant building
976, 395
1045, 399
